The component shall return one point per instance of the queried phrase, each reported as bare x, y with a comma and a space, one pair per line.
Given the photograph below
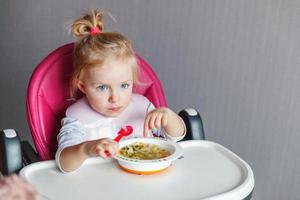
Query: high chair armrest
10, 152
13, 153
193, 123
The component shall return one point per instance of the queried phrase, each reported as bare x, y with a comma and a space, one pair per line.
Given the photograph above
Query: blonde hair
93, 49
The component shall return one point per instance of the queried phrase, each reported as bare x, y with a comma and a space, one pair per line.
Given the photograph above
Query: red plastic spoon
124, 131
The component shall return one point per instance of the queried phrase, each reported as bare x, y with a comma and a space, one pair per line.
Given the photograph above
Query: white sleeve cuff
177, 138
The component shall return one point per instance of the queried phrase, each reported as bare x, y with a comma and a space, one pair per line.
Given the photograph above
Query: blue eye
125, 85
102, 87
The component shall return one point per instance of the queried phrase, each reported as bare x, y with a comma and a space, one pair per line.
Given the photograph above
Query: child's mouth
115, 109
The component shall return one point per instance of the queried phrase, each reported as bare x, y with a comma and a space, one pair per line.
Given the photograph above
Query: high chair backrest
48, 94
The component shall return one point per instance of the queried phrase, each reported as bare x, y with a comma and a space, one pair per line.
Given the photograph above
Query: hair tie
95, 30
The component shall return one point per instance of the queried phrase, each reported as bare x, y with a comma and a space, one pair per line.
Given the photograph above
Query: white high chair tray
207, 171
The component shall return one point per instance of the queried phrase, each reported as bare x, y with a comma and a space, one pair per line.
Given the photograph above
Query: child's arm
164, 118
71, 158
73, 149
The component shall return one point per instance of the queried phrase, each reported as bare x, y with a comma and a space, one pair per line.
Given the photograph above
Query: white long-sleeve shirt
82, 123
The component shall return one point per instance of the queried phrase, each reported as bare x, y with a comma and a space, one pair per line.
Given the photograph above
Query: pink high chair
217, 172
48, 98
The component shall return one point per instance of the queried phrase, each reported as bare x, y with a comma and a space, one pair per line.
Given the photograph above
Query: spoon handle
124, 131
107, 153
118, 138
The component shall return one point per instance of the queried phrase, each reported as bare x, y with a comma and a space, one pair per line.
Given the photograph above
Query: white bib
99, 126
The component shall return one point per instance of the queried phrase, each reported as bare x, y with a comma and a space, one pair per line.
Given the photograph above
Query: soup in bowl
147, 155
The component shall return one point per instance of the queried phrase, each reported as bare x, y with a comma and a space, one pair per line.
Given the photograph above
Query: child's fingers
116, 148
110, 147
102, 153
146, 127
111, 150
164, 121
158, 121
114, 143
152, 122
99, 151
104, 144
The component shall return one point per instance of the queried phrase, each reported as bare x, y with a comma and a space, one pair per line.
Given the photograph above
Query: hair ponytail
82, 27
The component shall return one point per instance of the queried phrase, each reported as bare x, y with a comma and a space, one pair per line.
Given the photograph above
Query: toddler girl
105, 72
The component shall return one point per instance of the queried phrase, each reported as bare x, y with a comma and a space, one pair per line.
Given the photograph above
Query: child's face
108, 88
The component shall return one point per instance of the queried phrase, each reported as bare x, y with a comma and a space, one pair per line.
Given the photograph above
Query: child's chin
112, 114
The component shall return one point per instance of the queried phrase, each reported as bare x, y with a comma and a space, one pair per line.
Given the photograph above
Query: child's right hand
98, 147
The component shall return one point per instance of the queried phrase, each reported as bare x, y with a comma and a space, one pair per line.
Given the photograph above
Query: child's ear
80, 86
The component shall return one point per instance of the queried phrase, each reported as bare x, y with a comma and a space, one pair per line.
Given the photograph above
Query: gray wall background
236, 61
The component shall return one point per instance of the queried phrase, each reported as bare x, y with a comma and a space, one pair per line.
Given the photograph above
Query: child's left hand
156, 119
164, 118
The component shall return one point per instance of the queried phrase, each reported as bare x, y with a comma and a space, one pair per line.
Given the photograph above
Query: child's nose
114, 97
